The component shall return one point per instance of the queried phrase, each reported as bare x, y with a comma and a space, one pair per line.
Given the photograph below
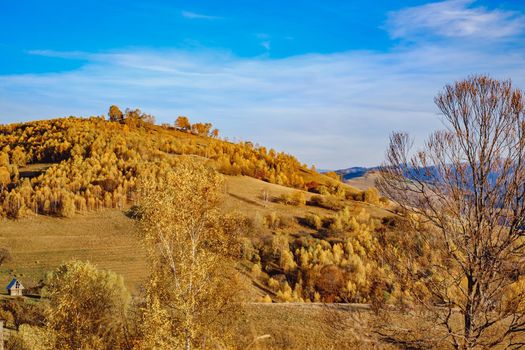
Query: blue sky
324, 80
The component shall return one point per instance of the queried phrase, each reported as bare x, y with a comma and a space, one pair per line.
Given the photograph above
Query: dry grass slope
39, 244
109, 239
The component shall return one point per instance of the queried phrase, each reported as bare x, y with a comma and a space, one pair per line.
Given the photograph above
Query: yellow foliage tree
191, 246
87, 307
182, 123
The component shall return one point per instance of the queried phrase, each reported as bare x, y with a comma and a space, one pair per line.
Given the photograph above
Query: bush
323, 190
296, 198
330, 282
273, 284
327, 202
266, 299
5, 256
285, 221
336, 225
314, 221
371, 195
86, 304
257, 223
312, 186
272, 220
275, 221
256, 270
285, 198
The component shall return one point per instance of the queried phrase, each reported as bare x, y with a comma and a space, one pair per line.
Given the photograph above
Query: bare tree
463, 194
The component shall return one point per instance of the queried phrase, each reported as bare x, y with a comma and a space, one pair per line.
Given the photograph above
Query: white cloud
455, 19
194, 15
332, 110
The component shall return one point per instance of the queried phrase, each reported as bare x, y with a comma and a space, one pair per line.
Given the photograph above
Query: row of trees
203, 129
129, 116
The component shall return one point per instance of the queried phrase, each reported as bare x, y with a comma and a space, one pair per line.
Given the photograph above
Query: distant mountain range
427, 174
353, 172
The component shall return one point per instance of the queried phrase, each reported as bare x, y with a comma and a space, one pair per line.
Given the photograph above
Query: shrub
314, 221
86, 304
256, 270
285, 293
312, 186
336, 225
298, 199
371, 195
287, 261
272, 220
327, 202
285, 221
5, 256
257, 223
323, 190
285, 198
273, 284
330, 282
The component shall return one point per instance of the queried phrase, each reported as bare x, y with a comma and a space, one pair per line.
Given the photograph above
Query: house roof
12, 284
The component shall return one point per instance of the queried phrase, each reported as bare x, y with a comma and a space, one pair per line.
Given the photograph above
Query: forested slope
68, 165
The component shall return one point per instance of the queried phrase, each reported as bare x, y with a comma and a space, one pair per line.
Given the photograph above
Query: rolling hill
72, 181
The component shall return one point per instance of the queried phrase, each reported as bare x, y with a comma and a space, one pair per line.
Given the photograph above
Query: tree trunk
188, 341
467, 319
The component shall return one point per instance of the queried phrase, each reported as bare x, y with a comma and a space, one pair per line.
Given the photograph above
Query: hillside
308, 237
108, 237
62, 166
353, 172
83, 174
364, 181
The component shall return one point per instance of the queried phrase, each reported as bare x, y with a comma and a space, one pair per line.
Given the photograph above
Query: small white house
15, 288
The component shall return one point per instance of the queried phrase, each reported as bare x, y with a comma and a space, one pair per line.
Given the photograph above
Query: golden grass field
39, 244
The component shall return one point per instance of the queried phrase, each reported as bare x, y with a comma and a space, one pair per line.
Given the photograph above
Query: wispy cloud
332, 110
455, 19
194, 15
59, 54
264, 40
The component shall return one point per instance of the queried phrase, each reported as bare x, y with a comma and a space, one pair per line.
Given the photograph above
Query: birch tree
192, 247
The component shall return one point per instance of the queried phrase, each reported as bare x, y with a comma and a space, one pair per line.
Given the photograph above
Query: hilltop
62, 166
